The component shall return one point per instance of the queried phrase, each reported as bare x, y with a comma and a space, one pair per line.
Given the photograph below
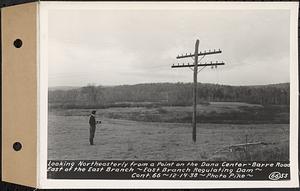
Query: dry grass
131, 140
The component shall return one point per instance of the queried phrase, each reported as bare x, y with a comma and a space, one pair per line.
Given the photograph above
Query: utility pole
195, 66
195, 90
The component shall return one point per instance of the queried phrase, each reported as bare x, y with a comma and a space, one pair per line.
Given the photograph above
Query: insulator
216, 66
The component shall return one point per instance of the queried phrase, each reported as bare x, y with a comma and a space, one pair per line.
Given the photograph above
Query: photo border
42, 138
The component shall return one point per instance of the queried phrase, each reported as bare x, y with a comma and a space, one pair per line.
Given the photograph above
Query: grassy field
140, 133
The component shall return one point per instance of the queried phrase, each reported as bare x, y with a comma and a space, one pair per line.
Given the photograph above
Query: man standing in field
93, 123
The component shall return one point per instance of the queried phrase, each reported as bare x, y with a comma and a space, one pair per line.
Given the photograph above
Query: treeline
173, 94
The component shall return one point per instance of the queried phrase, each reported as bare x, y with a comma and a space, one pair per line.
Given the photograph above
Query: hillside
168, 94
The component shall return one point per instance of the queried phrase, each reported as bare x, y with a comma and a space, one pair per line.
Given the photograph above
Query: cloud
111, 47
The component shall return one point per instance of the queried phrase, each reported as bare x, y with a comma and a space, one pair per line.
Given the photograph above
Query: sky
117, 47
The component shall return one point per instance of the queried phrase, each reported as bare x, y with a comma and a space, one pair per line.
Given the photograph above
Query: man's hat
94, 112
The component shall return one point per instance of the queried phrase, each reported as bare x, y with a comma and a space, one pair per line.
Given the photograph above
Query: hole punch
18, 43
17, 146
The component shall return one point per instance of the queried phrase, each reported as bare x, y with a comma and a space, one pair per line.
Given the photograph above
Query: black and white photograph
170, 83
